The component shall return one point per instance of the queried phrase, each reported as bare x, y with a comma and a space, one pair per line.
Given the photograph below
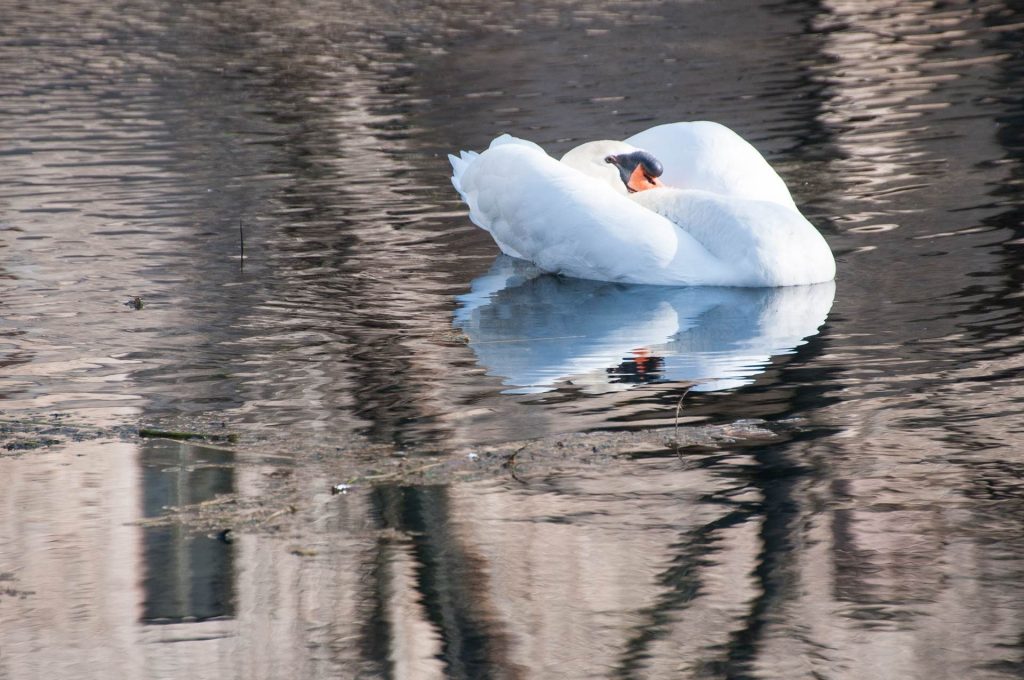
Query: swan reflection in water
536, 330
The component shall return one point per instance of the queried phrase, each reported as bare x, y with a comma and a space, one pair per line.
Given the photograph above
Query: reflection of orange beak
641, 356
640, 181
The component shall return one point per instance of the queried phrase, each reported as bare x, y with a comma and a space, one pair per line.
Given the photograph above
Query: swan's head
639, 170
625, 168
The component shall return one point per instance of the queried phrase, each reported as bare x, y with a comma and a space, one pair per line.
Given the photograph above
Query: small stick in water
679, 407
241, 246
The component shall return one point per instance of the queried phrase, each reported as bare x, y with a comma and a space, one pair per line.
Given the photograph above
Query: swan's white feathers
571, 224
709, 156
589, 158
509, 139
459, 165
765, 243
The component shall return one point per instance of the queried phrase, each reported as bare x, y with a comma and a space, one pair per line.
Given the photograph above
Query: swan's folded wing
765, 243
541, 210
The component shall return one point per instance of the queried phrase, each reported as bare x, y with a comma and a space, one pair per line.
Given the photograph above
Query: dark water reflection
881, 538
187, 577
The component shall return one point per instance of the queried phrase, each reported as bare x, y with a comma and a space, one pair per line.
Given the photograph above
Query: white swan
715, 214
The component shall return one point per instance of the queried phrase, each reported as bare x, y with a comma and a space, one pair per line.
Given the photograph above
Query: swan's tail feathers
459, 165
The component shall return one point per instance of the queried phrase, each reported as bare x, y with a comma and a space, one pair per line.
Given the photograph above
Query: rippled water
269, 179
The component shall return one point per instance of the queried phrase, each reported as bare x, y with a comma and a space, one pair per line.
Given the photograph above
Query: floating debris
135, 303
340, 488
29, 444
152, 433
451, 337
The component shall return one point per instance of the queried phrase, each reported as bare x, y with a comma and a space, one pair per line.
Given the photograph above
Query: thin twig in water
510, 463
679, 407
282, 511
241, 246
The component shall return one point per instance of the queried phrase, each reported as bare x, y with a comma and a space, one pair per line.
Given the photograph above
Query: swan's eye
609, 159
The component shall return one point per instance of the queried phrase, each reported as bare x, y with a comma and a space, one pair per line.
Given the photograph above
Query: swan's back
711, 157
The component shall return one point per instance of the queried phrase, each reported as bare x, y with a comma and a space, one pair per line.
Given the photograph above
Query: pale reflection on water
877, 535
536, 331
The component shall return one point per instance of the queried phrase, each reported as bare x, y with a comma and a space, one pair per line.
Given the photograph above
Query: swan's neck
590, 158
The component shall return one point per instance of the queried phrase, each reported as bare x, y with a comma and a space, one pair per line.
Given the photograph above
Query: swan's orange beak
639, 170
639, 180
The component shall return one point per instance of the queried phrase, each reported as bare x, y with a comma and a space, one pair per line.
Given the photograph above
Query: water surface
270, 180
